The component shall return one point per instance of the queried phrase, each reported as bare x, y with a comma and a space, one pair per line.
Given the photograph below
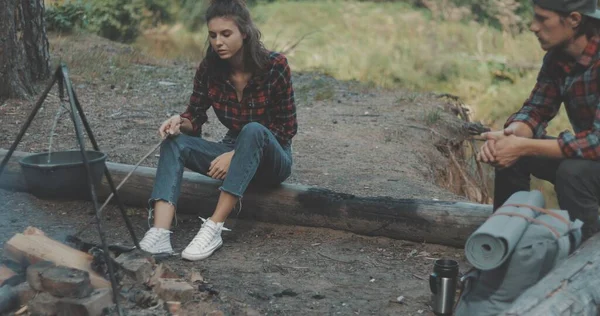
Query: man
569, 30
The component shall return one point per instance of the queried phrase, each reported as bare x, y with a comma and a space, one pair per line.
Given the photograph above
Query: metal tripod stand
61, 76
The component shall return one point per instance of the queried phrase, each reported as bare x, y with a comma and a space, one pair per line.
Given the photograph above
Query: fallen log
447, 223
570, 289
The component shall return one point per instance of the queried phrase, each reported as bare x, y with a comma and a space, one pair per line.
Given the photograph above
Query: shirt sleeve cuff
196, 130
538, 130
565, 141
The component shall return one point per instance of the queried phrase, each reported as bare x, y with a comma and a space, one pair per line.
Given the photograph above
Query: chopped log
570, 289
136, 266
447, 223
5, 274
43, 304
173, 307
174, 290
66, 282
34, 248
34, 273
25, 293
30, 230
162, 271
95, 304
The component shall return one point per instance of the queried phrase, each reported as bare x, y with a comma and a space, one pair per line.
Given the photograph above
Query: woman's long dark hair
256, 56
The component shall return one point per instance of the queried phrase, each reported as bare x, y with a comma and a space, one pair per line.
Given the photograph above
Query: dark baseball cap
585, 7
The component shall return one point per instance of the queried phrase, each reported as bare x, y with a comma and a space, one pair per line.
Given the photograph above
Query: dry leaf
195, 276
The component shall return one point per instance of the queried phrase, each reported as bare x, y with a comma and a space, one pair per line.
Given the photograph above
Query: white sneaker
157, 240
207, 240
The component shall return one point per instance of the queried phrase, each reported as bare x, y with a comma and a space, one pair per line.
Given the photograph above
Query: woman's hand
219, 167
171, 126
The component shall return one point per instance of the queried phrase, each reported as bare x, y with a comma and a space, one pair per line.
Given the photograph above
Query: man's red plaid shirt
577, 85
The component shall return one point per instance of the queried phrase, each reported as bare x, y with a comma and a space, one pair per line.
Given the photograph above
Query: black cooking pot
62, 174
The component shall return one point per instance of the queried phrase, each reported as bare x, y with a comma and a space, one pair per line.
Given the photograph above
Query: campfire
43, 276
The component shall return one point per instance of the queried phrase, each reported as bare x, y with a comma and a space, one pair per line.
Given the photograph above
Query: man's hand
497, 135
219, 167
487, 153
171, 126
508, 150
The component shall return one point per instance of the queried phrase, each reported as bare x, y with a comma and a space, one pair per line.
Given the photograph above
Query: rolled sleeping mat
493, 242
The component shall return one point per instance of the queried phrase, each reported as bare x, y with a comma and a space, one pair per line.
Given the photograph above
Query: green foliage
116, 19
66, 17
510, 15
191, 13
122, 19
155, 12
119, 20
432, 116
408, 96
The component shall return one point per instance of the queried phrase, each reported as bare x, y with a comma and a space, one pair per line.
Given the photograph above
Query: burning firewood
31, 248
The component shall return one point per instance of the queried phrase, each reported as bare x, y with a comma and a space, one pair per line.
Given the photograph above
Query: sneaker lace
206, 233
222, 228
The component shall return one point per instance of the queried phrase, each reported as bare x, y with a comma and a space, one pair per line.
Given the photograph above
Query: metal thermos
443, 286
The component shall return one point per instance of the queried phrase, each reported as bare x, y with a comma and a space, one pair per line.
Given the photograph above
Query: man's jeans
576, 182
258, 155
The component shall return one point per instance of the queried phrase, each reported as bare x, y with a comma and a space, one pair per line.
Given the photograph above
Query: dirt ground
352, 138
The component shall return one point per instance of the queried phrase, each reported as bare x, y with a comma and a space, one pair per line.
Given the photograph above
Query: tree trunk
35, 39
24, 55
440, 222
570, 289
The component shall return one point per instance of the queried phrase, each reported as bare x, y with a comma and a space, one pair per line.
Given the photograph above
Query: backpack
548, 239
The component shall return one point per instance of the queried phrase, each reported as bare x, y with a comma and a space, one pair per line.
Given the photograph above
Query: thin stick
477, 138
418, 277
293, 46
118, 187
130, 173
334, 259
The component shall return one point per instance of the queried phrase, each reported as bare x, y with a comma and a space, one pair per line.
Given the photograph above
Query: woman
251, 92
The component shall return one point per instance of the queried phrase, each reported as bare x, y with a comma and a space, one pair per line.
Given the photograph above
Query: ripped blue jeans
258, 157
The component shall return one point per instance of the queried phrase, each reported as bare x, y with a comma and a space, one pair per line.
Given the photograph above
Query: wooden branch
447, 223
475, 128
570, 289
